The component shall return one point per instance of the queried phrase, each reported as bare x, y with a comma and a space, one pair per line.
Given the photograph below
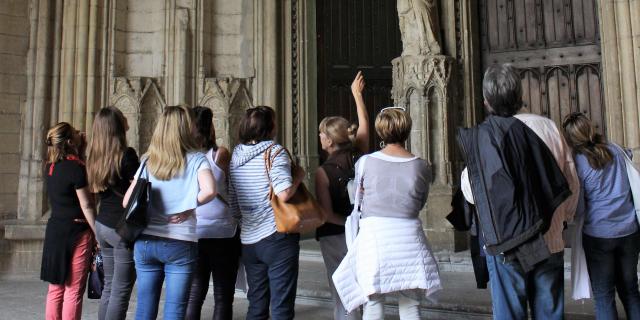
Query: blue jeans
542, 288
613, 265
158, 259
271, 265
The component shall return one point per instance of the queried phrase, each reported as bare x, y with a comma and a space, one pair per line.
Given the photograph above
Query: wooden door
556, 45
356, 35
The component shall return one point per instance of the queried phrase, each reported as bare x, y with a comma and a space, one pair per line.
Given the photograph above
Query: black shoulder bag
134, 220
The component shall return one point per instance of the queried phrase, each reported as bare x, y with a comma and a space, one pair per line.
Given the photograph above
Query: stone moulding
141, 101
228, 98
420, 73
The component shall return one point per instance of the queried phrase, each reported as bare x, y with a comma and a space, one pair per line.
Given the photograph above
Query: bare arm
324, 198
298, 176
88, 207
127, 195
207, 184
362, 135
223, 159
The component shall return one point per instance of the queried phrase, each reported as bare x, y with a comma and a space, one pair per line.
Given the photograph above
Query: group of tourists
210, 213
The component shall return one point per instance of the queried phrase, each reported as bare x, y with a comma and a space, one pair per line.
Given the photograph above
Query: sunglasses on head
392, 107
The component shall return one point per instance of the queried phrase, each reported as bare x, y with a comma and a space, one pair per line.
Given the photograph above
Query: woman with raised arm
610, 233
110, 169
217, 228
388, 250
69, 237
344, 148
270, 258
181, 180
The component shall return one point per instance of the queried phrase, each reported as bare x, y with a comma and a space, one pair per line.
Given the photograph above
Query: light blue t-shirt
606, 198
177, 195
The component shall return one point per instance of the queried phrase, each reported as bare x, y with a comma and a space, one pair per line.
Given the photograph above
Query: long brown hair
107, 146
172, 139
583, 138
60, 142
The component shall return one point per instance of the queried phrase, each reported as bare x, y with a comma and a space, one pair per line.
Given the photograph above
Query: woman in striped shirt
270, 258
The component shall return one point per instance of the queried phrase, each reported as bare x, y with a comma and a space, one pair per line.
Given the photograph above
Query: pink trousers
64, 301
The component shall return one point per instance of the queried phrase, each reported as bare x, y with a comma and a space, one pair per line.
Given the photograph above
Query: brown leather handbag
301, 213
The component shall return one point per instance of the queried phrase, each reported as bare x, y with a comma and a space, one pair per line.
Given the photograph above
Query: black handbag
135, 220
95, 282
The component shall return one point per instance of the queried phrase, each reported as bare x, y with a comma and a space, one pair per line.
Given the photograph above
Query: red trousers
64, 301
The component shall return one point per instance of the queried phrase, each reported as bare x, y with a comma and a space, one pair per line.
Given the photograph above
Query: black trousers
220, 258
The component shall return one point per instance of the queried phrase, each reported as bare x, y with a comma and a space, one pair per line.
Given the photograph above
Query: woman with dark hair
69, 237
610, 233
270, 257
110, 169
218, 237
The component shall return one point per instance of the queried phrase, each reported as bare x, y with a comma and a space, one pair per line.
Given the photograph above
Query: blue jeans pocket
179, 252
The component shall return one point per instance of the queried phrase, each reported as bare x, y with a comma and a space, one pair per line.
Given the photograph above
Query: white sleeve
465, 185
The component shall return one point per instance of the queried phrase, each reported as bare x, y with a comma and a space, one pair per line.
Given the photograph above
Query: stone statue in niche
419, 27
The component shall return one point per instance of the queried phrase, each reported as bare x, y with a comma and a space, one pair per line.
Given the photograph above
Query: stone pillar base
21, 250
439, 231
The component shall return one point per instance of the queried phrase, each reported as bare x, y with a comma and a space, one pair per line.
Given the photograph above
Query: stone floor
24, 298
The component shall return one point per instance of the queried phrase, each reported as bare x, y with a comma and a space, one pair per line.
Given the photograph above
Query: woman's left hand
179, 218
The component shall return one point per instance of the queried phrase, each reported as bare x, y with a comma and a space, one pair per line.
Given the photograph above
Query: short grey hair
502, 89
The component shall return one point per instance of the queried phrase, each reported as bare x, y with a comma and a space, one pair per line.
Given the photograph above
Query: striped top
249, 188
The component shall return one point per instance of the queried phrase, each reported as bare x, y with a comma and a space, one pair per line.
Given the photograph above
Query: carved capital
420, 73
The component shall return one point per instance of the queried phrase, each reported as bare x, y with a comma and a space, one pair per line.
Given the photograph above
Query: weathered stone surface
8, 183
14, 25
9, 162
10, 143
24, 232
14, 8
10, 44
9, 123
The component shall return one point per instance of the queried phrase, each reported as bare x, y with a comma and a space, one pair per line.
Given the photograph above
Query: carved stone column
81, 74
421, 84
620, 36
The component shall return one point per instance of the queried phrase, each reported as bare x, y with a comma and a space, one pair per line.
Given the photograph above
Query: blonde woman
344, 147
181, 179
389, 255
111, 166
610, 234
69, 237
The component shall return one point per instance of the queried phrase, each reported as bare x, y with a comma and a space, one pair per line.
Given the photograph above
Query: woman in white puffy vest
388, 250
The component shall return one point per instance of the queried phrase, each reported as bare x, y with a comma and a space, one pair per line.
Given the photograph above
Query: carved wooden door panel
355, 35
556, 45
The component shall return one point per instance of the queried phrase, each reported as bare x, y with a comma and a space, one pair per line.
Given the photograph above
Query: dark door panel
355, 35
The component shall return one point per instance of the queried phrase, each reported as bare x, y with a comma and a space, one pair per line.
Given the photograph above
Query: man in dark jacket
516, 186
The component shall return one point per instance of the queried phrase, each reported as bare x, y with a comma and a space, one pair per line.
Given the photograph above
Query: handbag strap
144, 166
268, 163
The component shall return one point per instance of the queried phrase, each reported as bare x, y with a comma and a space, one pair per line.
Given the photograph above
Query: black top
62, 179
339, 168
111, 210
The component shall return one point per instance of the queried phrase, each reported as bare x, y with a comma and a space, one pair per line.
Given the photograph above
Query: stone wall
139, 38
228, 51
14, 41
